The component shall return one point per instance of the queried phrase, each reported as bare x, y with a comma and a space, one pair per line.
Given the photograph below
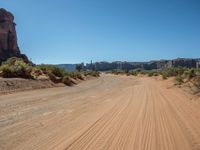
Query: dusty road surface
111, 112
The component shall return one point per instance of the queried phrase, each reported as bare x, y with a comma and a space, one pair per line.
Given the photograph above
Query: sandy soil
12, 85
111, 112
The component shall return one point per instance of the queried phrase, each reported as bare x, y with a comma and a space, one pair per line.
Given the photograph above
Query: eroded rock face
8, 37
183, 62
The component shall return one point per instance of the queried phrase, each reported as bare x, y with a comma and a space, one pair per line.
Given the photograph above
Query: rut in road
112, 112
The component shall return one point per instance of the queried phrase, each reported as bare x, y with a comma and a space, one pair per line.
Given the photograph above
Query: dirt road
111, 112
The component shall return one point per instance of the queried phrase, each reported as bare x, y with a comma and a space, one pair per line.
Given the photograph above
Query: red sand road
111, 112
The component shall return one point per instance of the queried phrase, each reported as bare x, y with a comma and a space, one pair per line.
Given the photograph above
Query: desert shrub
6, 71
155, 74
75, 75
79, 75
12, 61
36, 72
126, 71
118, 72
57, 74
170, 72
128, 74
52, 69
197, 82
150, 74
86, 73
95, 74
189, 73
197, 72
164, 77
134, 73
72, 75
92, 73
179, 70
79, 67
179, 80
15, 67
54, 78
192, 73
143, 72
67, 81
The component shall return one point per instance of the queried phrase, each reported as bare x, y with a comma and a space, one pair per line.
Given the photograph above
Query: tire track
112, 113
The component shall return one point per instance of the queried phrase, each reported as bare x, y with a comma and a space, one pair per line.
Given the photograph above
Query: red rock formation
8, 37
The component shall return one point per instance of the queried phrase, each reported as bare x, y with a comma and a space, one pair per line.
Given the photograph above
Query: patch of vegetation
134, 73
75, 75
118, 72
93, 73
197, 82
179, 80
52, 69
164, 77
67, 81
150, 74
182, 75
15, 67
79, 67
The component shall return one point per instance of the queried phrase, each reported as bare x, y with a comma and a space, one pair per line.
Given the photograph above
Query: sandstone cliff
8, 37
158, 64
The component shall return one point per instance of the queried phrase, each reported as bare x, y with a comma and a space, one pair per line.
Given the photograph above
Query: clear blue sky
71, 31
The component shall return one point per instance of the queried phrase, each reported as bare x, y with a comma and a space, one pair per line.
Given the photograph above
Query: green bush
155, 74
170, 72
179, 80
189, 74
54, 78
6, 71
92, 73
52, 69
126, 71
79, 75
164, 77
116, 72
150, 74
197, 81
67, 81
95, 73
75, 75
192, 73
143, 72
57, 74
134, 73
15, 67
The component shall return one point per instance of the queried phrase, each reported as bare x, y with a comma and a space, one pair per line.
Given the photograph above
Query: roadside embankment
10, 85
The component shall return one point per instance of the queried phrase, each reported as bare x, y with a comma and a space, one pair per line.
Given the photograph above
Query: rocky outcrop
159, 64
8, 37
183, 62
